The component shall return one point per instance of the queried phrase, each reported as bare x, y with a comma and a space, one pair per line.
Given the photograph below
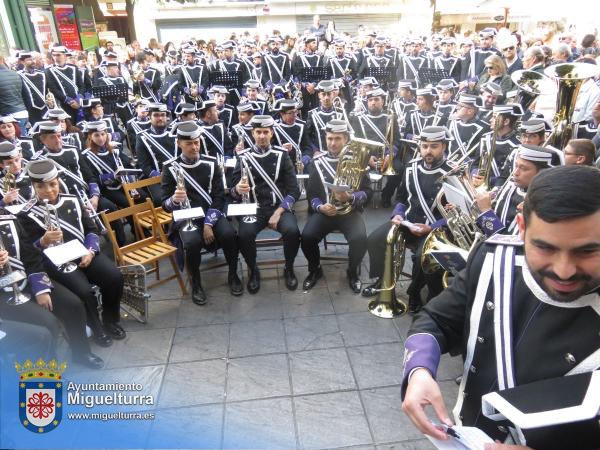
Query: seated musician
138, 123
271, 183
51, 302
72, 221
417, 206
289, 131
94, 112
227, 113
11, 163
252, 88
202, 187
10, 132
242, 131
325, 203
70, 134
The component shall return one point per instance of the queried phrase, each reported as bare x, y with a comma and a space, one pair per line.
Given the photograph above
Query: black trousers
193, 243
287, 226
376, 243
155, 194
101, 272
319, 225
66, 307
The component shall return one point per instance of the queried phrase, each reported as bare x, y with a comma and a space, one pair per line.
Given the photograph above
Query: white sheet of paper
67, 252
302, 176
230, 163
470, 438
456, 197
188, 213
15, 209
373, 176
242, 209
337, 187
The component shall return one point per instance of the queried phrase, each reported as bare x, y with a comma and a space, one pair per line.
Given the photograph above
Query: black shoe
114, 330
101, 338
371, 289
253, 280
353, 281
385, 203
312, 278
235, 284
198, 294
414, 304
291, 282
90, 360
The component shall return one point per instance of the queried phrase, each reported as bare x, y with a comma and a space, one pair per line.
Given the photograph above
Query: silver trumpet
10, 277
52, 223
246, 197
180, 180
93, 214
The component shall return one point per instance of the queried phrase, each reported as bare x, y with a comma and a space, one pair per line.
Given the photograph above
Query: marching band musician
507, 201
325, 218
474, 61
343, 66
193, 77
231, 63
404, 100
412, 62
154, 146
227, 113
69, 133
318, 118
138, 123
74, 223
66, 83
215, 135
172, 66
378, 60
34, 82
11, 163
271, 182
203, 187
184, 112
305, 60
524, 309
111, 106
464, 126
146, 80
446, 60
445, 104
9, 132
289, 130
275, 64
490, 93
417, 206
94, 112
243, 129
251, 94
52, 300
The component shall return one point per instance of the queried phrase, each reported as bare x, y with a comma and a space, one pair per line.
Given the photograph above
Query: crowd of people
284, 119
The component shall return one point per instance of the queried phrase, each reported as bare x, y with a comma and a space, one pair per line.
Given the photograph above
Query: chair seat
149, 253
145, 218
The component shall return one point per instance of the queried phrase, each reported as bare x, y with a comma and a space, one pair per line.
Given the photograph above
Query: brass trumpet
51, 221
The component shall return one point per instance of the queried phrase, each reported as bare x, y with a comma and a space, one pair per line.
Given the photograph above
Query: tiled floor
278, 369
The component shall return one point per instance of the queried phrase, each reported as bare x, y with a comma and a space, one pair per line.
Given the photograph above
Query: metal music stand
231, 80
111, 92
384, 75
314, 74
432, 76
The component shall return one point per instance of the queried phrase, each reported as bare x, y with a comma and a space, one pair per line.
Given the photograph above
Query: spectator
508, 46
495, 70
534, 59
11, 100
580, 151
561, 54
317, 28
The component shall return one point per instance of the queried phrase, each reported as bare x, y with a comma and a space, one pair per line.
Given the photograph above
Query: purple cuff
420, 350
170, 205
200, 89
68, 99
92, 241
212, 216
288, 202
359, 199
2, 204
107, 178
234, 193
38, 244
438, 224
39, 282
305, 159
399, 210
489, 223
115, 136
154, 173
315, 203
147, 81
94, 189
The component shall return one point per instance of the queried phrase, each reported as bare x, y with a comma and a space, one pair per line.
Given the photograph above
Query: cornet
51, 221
246, 196
94, 215
180, 180
12, 278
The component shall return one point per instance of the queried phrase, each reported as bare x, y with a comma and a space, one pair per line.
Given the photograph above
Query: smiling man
521, 312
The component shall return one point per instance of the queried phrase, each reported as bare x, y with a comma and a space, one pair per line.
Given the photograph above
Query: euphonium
12, 277
9, 181
531, 85
387, 305
180, 180
571, 77
351, 167
52, 223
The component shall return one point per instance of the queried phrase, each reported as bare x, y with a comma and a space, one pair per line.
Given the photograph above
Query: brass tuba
571, 77
387, 305
351, 167
531, 85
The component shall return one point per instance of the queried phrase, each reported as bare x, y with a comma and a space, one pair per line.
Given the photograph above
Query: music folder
122, 172
461, 438
67, 252
242, 209
188, 213
451, 260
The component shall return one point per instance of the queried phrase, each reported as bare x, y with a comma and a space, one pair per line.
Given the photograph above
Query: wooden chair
148, 251
143, 220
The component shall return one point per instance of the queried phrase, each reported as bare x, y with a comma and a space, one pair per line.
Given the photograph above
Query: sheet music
188, 213
457, 197
15, 209
67, 252
242, 209
462, 438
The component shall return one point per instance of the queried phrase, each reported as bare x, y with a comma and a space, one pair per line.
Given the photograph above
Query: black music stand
111, 92
384, 75
314, 74
231, 80
432, 76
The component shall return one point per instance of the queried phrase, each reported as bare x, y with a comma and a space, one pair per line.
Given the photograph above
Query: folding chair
143, 221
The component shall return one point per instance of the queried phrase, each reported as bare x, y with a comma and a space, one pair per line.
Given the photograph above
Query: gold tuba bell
351, 167
531, 85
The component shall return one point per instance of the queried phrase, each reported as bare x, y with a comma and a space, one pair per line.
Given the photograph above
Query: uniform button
473, 369
480, 339
461, 417
489, 305
570, 359
502, 429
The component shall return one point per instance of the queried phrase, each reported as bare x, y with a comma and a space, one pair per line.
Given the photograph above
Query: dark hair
588, 40
563, 193
584, 147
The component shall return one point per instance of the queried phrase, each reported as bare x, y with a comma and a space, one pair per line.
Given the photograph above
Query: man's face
189, 59
432, 152
113, 71
98, 111
262, 136
28, 63
190, 148
489, 99
336, 142
379, 49
375, 105
464, 49
509, 52
435, 43
228, 53
326, 99
464, 112
52, 141
532, 139
158, 119
12, 164
524, 173
571, 157
486, 42
405, 93
566, 269
445, 96
59, 58
339, 51
142, 111
211, 115
447, 49
275, 46
311, 46
220, 98
288, 117
244, 117
251, 93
